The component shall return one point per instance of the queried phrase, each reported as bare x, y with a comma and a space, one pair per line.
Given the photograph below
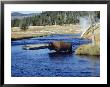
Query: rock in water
60, 46
35, 46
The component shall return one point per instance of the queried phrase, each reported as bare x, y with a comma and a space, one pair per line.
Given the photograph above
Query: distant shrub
89, 49
24, 26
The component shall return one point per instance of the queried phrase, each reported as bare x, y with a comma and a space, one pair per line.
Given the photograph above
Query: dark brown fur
60, 46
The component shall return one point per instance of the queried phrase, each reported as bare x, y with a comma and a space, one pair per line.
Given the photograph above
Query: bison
60, 46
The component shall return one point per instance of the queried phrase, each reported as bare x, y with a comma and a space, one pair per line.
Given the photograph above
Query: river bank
40, 31
93, 49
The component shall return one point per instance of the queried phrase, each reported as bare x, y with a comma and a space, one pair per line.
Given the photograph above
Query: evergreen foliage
51, 18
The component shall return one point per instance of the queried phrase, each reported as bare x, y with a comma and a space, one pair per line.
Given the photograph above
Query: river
46, 63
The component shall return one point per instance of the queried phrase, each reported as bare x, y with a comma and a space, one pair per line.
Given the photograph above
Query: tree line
52, 18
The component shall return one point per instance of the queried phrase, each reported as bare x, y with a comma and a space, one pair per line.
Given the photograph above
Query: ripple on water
46, 63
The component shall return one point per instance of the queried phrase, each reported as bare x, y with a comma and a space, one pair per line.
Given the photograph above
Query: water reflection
59, 55
91, 58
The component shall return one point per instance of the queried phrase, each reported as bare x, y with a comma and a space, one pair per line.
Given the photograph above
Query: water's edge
46, 63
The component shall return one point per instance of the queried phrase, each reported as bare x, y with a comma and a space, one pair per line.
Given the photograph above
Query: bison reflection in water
59, 55
60, 46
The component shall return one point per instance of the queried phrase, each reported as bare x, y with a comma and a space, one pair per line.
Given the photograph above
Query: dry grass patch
89, 49
36, 31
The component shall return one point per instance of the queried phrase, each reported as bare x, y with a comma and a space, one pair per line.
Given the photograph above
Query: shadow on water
59, 55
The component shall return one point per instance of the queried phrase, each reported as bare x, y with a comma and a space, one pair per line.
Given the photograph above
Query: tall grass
94, 47
88, 49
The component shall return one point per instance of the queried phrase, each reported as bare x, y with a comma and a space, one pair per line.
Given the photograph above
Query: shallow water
46, 63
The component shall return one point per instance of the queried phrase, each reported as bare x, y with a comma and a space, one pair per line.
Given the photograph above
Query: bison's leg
70, 49
50, 46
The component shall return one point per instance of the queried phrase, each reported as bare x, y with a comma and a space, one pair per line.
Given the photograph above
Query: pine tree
24, 24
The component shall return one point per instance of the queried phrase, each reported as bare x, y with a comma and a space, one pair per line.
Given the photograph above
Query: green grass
88, 49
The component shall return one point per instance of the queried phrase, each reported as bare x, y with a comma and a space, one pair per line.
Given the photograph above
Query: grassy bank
37, 31
90, 49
